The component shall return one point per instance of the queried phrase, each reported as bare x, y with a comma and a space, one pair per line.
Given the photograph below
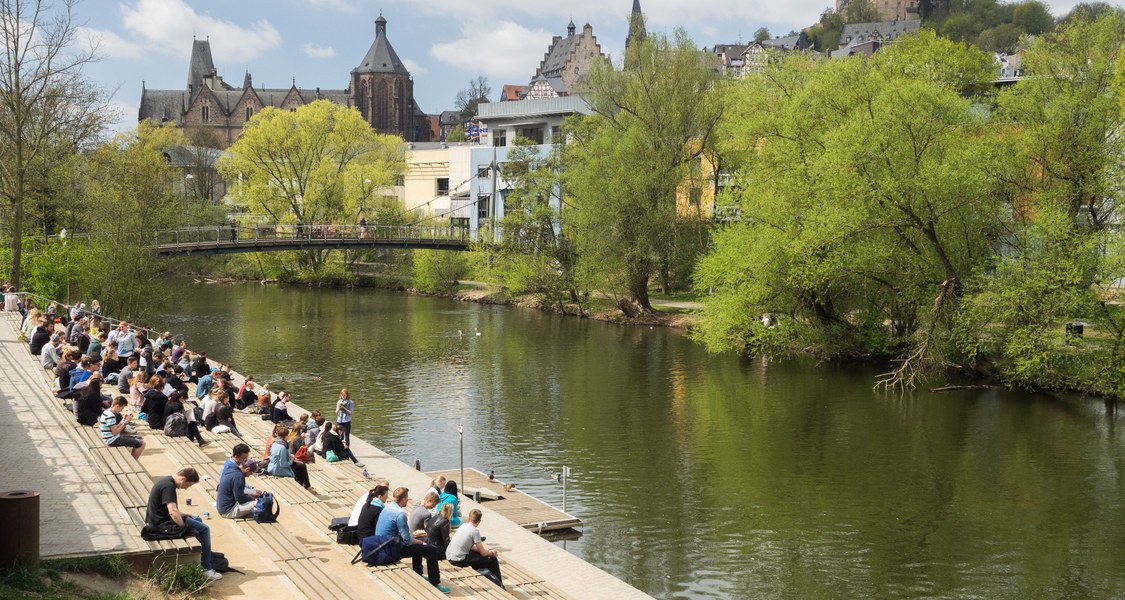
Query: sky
444, 43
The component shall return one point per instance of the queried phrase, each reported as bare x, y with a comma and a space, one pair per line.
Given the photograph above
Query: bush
177, 577
438, 271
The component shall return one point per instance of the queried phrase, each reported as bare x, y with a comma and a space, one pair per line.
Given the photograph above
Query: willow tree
319, 164
652, 118
868, 196
1065, 256
46, 102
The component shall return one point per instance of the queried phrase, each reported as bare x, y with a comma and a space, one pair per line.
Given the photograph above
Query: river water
699, 475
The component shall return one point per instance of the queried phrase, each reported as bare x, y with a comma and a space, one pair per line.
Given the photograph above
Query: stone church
213, 112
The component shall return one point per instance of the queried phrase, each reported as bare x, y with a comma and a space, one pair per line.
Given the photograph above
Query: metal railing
222, 235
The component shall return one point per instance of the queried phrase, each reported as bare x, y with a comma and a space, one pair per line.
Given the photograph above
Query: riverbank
304, 518
674, 314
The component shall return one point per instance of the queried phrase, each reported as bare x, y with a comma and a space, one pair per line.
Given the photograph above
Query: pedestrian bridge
227, 239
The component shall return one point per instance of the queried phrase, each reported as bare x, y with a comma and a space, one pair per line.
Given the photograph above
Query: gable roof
886, 30
162, 105
381, 57
558, 55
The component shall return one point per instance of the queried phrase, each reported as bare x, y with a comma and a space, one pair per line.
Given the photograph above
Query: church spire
636, 24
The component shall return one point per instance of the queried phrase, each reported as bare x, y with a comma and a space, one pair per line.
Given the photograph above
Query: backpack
220, 563
266, 510
379, 550
175, 425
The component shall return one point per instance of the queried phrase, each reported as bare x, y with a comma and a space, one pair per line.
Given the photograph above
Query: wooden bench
118, 460
526, 585
187, 545
132, 489
401, 579
295, 560
468, 580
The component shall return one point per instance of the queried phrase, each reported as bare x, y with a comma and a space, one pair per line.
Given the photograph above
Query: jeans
347, 437
476, 560
419, 551
193, 432
196, 527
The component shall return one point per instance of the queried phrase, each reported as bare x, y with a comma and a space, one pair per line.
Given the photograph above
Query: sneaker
442, 588
359, 463
212, 575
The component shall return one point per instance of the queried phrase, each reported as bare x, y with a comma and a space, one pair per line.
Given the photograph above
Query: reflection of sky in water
698, 475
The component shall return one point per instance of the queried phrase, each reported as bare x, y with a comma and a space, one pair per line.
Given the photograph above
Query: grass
178, 578
47, 582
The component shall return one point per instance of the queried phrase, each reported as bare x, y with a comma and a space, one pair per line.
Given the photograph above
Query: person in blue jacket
232, 498
282, 464
392, 522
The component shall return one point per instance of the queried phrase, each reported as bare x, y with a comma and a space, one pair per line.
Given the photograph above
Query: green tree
651, 119
315, 165
534, 255
129, 196
439, 271
45, 101
867, 200
1033, 17
862, 11
762, 34
1063, 255
825, 35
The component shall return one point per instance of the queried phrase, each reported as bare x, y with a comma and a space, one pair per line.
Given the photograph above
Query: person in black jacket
41, 336
175, 405
437, 534
372, 508
154, 402
90, 401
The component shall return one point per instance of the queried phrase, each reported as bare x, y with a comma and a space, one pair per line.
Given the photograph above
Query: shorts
128, 441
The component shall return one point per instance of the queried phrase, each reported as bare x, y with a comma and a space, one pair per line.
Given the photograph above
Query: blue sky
444, 43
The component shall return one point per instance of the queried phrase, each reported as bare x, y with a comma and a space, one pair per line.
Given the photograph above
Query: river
700, 475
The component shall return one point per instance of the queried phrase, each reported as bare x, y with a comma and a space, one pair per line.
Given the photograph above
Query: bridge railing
249, 234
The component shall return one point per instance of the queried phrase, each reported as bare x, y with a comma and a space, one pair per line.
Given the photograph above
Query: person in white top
467, 549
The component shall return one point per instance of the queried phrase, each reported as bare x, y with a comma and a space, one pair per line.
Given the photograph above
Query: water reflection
699, 476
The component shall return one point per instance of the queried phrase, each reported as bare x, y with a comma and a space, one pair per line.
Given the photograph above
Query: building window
443, 186
483, 201
534, 134
249, 112
459, 222
482, 172
206, 113
695, 196
501, 138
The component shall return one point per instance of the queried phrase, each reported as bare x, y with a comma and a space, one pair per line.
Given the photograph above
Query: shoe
212, 574
204, 443
358, 463
442, 588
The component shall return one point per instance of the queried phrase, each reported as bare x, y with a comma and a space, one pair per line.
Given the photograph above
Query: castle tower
382, 88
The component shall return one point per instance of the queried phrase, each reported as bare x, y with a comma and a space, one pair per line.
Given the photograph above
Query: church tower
382, 88
636, 24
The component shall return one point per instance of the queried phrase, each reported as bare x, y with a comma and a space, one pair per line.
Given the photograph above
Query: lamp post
62, 236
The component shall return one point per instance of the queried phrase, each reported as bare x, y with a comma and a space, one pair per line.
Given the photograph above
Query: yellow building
436, 187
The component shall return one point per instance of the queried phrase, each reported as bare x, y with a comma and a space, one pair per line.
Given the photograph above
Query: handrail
104, 318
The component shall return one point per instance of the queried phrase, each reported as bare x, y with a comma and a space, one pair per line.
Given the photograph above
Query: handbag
330, 456
379, 550
166, 531
348, 536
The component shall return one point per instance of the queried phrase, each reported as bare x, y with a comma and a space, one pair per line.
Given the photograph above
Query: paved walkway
78, 514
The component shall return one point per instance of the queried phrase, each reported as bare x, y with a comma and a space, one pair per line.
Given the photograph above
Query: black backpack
220, 563
267, 509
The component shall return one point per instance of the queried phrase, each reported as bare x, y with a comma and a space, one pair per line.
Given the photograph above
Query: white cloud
414, 68
502, 50
317, 51
108, 44
163, 25
338, 5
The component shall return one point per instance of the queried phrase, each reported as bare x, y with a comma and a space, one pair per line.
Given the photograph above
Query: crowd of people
110, 373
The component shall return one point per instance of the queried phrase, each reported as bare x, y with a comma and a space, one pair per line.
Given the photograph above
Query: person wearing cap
233, 499
51, 354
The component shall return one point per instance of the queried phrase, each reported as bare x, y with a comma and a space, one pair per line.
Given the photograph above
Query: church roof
163, 105
381, 57
887, 30
558, 55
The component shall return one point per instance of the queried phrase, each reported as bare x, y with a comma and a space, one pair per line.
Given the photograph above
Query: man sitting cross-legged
234, 501
112, 425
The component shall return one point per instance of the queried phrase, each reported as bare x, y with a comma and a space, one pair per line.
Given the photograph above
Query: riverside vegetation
898, 207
